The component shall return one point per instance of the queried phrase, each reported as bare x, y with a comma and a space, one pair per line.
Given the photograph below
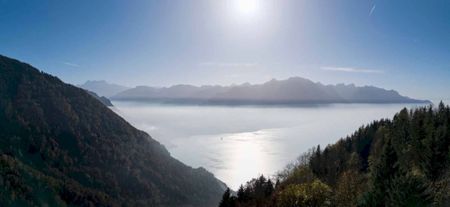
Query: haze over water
240, 143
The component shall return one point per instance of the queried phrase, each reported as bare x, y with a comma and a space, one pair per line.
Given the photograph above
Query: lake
241, 142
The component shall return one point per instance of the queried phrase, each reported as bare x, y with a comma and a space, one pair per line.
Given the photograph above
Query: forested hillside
400, 162
59, 146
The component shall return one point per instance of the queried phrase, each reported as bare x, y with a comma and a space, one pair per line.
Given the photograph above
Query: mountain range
295, 90
60, 146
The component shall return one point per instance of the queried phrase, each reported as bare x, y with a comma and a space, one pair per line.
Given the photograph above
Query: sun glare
248, 8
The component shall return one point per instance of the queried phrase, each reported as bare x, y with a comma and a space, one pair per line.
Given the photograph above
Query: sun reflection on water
237, 144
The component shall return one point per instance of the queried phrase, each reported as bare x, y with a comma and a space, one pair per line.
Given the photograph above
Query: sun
248, 8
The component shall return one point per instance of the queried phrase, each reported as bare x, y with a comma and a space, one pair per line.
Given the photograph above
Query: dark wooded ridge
60, 146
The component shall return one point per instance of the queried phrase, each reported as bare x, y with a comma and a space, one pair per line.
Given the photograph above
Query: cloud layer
351, 70
372, 10
71, 64
227, 64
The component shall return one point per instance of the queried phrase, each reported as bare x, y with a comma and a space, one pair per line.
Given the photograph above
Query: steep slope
103, 88
294, 90
60, 146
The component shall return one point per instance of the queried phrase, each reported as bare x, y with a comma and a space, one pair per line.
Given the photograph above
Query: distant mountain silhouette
59, 146
294, 90
103, 88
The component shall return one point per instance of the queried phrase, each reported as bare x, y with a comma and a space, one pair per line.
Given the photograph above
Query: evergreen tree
227, 199
407, 190
269, 188
241, 195
381, 175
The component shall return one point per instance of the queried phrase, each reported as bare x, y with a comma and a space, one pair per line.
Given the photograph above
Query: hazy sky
402, 45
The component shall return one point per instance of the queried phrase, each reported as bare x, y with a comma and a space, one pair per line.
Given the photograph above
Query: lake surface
240, 143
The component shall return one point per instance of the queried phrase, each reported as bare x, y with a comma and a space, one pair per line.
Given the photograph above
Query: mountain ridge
295, 90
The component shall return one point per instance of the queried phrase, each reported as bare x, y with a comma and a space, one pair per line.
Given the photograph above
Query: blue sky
402, 45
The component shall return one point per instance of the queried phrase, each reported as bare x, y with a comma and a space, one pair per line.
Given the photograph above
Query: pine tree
407, 190
382, 173
242, 196
269, 188
227, 199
